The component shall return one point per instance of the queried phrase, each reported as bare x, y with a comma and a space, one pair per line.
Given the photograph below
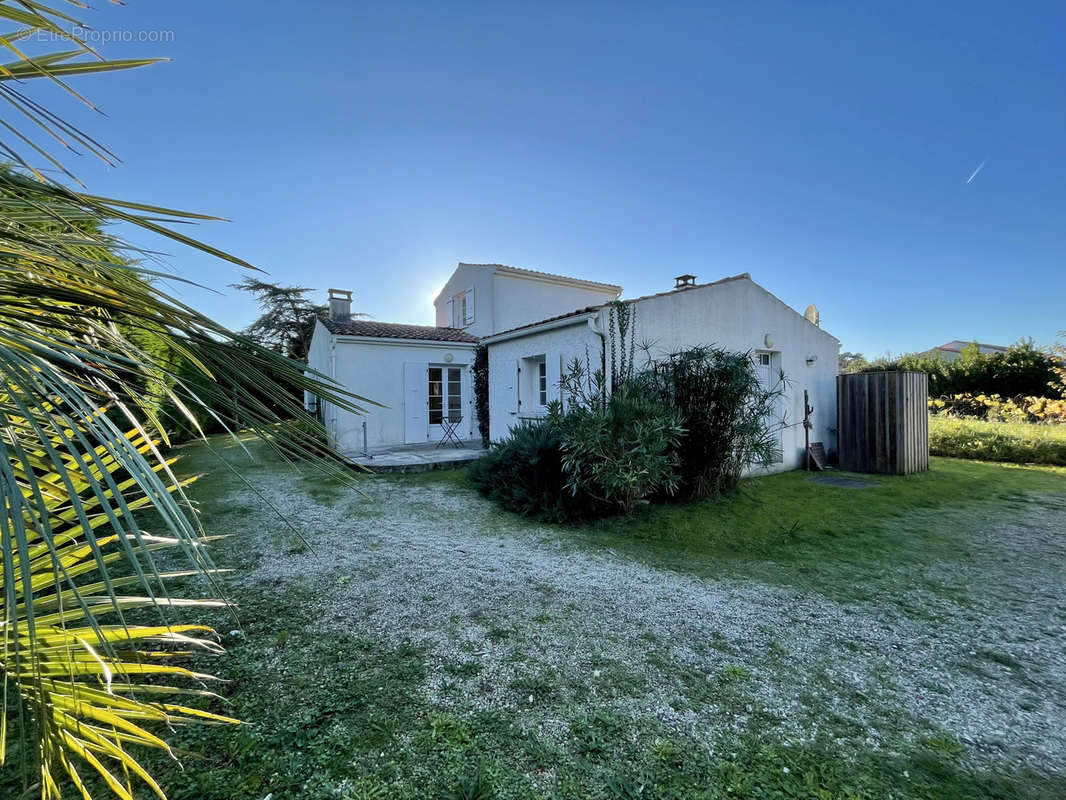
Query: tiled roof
391, 330
539, 322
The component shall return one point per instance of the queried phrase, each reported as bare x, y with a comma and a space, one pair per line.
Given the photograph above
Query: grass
344, 715
786, 530
1017, 442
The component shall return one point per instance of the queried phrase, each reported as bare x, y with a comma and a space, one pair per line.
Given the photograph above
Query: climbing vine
481, 391
621, 319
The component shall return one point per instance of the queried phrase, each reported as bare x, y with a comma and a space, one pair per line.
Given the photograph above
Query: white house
533, 324
734, 313
421, 375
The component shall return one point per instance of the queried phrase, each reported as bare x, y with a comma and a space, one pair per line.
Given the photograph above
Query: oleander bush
730, 419
622, 453
1016, 442
688, 426
524, 474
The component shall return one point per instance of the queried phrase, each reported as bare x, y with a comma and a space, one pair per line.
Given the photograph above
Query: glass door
445, 399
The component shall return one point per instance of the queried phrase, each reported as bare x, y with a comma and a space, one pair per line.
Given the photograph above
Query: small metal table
450, 428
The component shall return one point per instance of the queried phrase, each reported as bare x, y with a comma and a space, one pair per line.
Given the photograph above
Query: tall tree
852, 362
87, 686
287, 321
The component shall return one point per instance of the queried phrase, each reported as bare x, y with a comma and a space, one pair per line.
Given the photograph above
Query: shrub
1000, 409
727, 414
1023, 370
1017, 442
621, 454
524, 473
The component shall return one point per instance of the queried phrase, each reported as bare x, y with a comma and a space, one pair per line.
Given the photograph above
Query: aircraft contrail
976, 171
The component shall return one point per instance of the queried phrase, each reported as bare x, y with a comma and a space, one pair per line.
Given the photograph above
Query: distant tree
852, 362
1059, 350
287, 321
1023, 370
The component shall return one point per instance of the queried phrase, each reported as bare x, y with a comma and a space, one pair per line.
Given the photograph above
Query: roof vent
340, 305
681, 281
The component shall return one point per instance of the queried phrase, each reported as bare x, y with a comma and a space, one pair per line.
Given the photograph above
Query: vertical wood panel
883, 422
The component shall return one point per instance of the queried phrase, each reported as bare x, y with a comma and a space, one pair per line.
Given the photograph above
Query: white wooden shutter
510, 368
551, 373
469, 306
468, 405
449, 311
415, 402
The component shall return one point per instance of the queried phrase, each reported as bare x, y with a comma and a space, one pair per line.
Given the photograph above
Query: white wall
527, 299
375, 369
558, 346
478, 276
736, 315
506, 299
318, 355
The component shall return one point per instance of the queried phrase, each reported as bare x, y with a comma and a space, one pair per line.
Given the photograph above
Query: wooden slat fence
883, 422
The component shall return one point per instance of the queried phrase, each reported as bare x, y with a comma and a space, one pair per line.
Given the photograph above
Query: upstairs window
542, 383
460, 311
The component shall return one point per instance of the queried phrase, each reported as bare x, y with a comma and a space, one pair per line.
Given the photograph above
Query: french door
445, 398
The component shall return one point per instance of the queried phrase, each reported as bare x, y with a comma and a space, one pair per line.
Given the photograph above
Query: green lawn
483, 697
1018, 442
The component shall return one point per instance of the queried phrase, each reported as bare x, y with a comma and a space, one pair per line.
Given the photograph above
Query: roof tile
392, 330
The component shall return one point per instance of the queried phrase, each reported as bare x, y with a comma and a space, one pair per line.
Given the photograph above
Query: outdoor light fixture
448, 358
768, 340
811, 360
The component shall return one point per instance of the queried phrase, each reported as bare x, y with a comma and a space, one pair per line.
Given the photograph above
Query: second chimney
681, 281
340, 305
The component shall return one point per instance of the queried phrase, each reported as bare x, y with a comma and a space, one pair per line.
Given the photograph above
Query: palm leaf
96, 664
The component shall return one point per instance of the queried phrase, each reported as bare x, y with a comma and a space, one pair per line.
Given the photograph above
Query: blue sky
824, 147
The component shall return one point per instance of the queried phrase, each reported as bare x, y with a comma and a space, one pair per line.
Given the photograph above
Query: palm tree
95, 664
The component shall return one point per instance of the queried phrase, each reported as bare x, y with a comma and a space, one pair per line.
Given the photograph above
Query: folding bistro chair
451, 429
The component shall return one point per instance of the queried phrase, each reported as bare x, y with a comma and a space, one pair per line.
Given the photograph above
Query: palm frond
95, 663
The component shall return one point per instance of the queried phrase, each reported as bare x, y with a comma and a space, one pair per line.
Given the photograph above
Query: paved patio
420, 457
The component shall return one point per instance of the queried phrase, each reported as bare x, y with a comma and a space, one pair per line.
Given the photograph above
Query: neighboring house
533, 324
951, 350
734, 313
421, 374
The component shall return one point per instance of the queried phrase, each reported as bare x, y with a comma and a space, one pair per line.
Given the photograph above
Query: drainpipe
594, 326
332, 374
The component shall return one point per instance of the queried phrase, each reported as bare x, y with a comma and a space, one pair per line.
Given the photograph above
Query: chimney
340, 305
681, 281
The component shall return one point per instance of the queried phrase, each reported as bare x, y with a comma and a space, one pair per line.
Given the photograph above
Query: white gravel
442, 568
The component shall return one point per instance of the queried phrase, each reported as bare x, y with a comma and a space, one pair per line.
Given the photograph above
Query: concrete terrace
419, 457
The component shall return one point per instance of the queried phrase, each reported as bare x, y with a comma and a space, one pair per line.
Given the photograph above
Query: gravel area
513, 615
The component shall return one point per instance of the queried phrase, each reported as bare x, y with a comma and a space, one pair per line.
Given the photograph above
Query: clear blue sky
824, 147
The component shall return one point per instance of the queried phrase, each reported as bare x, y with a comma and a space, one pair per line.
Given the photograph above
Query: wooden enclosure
883, 422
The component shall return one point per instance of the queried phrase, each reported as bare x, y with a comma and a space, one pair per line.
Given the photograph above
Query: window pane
453, 375
435, 417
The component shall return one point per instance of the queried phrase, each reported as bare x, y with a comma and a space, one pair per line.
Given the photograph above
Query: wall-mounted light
811, 360
768, 340
448, 358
